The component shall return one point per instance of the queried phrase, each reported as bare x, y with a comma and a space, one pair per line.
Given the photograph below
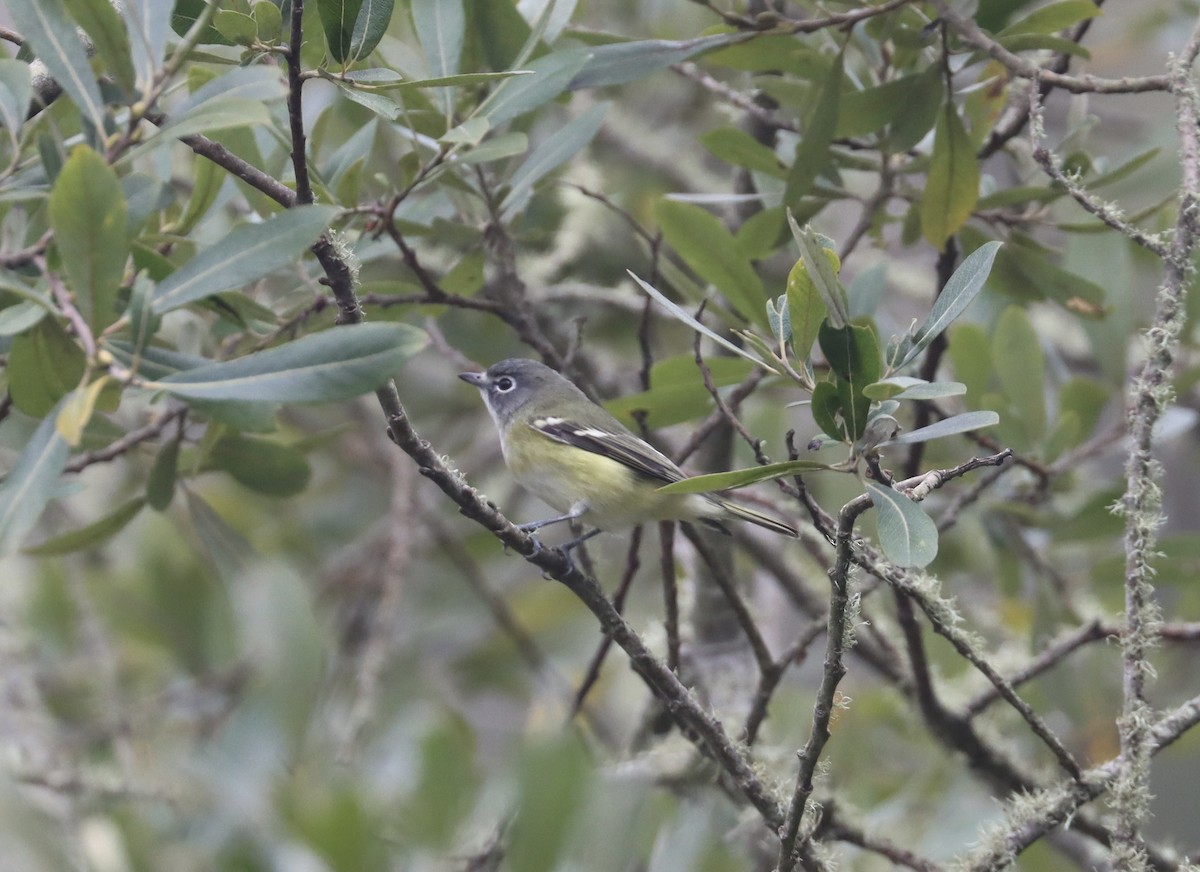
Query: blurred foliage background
240, 630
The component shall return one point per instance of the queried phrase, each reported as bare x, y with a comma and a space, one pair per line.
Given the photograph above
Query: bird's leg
576, 512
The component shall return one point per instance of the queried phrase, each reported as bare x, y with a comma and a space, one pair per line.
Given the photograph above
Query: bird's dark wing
616, 444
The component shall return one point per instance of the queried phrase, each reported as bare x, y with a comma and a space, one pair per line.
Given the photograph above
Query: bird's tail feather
744, 514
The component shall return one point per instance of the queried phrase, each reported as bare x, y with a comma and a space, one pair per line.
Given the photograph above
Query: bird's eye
504, 384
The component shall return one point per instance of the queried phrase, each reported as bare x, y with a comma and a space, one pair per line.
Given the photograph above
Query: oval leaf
262, 465
87, 212
908, 536
338, 364
953, 184
709, 249
248, 253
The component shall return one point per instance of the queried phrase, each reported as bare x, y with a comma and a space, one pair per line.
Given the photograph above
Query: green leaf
44, 365
52, 36
500, 31
852, 352
1053, 18
951, 426
621, 62
186, 13
1043, 42
380, 104
968, 350
762, 233
720, 481
677, 392
871, 109
269, 19
919, 115
905, 388
549, 77
382, 79
1025, 270
470, 132
75, 412
31, 483
160, 486
102, 23
709, 249
237, 27
555, 779
1125, 170
338, 18
739, 148
812, 152
688, 319
248, 253
206, 185
19, 318
1087, 398
827, 410
853, 355
262, 465
822, 269
440, 25
1020, 365
952, 187
337, 364
16, 91
88, 215
93, 534
225, 546
962, 288
908, 536
558, 149
374, 16
149, 25
806, 309
253, 83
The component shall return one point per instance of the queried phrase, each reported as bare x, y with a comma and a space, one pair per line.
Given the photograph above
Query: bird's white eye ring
504, 384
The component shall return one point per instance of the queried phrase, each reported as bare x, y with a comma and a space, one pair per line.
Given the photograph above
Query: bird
584, 463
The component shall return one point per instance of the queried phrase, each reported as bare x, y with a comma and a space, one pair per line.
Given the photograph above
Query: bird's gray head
511, 385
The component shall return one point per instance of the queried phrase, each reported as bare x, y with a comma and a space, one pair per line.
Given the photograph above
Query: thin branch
1150, 394
295, 104
973, 35
592, 674
1052, 654
791, 845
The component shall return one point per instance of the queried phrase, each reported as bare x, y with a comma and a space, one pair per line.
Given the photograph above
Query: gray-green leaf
248, 253
31, 482
337, 364
51, 35
908, 536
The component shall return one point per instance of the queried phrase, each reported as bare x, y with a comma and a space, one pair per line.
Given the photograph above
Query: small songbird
583, 462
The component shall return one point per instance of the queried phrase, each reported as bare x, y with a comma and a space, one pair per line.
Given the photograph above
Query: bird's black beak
479, 379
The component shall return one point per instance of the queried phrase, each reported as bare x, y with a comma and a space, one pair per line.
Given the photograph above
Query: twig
790, 843
971, 33
1052, 654
670, 589
1149, 395
737, 605
592, 674
295, 104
